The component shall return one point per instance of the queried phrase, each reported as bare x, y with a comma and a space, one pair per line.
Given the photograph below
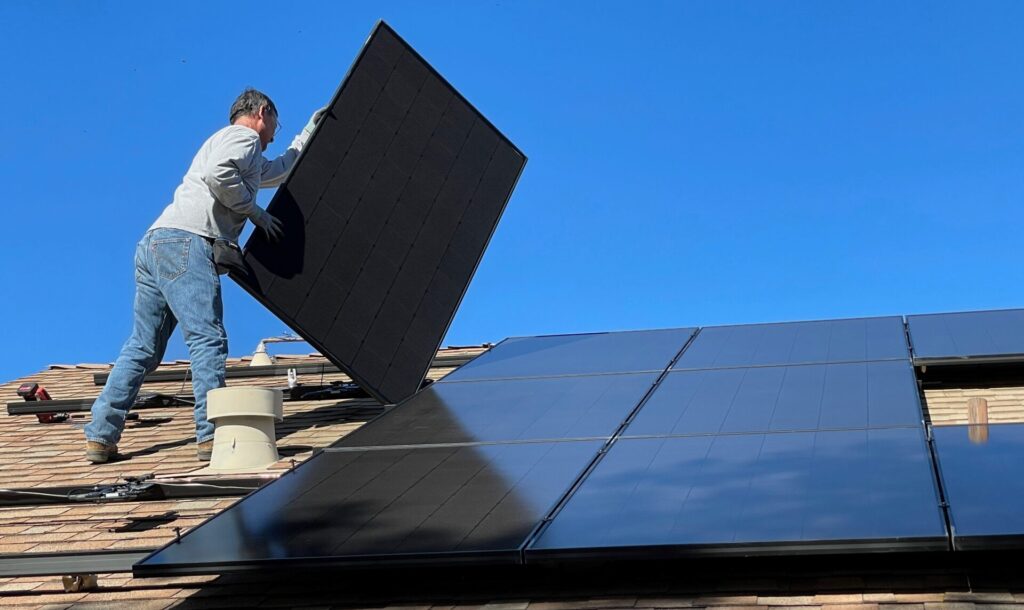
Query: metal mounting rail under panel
272, 370
59, 564
386, 216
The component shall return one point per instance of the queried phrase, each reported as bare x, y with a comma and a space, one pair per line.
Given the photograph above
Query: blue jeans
175, 281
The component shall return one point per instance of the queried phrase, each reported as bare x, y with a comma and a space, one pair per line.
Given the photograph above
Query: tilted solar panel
980, 468
386, 215
971, 336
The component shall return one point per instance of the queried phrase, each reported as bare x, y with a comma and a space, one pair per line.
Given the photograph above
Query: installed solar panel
438, 504
503, 410
621, 352
796, 343
980, 468
973, 336
858, 490
386, 215
807, 397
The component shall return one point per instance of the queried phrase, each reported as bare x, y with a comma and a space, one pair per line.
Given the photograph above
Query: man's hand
313, 120
271, 226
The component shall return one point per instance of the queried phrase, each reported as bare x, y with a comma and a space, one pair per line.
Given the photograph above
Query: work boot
99, 453
204, 450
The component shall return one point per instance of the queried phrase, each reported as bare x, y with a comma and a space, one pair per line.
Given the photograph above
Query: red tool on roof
32, 392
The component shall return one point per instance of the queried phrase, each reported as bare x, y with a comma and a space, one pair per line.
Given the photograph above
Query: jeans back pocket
171, 256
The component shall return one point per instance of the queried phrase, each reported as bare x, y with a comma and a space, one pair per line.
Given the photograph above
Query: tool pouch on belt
228, 257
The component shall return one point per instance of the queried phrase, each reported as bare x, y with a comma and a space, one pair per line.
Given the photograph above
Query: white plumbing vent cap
243, 438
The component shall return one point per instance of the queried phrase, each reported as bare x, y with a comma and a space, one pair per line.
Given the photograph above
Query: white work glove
300, 140
265, 220
313, 120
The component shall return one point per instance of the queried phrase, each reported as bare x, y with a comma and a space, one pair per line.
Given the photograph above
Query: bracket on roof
141, 488
234, 372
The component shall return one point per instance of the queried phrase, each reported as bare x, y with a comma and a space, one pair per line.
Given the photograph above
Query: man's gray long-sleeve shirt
218, 192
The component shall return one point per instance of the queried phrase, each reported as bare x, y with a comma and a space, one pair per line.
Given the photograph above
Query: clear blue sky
691, 163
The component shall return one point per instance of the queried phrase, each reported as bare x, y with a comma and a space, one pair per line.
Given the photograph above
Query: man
176, 279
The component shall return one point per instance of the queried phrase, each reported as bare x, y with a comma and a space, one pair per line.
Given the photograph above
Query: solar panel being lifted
386, 215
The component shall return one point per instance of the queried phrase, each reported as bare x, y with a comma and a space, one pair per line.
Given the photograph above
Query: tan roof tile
948, 406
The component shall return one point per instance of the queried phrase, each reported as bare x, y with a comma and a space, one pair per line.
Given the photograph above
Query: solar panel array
765, 439
740, 494
762, 438
466, 470
401, 505
386, 215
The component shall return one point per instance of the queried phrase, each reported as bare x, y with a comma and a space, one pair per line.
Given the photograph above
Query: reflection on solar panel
808, 397
768, 439
973, 336
797, 343
431, 504
386, 215
748, 493
621, 352
503, 410
980, 467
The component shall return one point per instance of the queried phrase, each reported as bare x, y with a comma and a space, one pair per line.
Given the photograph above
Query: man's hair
249, 103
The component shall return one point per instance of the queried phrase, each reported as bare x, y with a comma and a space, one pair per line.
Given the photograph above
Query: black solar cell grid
822, 341
827, 491
386, 215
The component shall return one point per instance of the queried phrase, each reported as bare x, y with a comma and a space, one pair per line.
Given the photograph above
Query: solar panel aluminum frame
380, 27
983, 359
534, 556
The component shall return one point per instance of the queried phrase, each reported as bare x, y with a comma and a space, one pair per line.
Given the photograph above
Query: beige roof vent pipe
977, 420
243, 437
